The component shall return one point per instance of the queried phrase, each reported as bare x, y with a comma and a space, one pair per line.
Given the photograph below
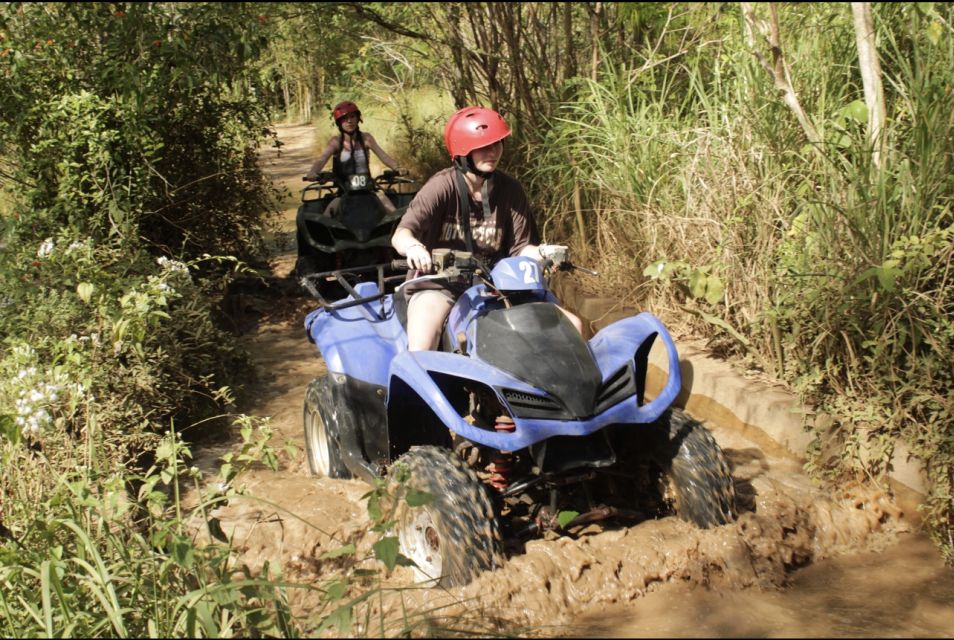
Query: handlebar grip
399, 264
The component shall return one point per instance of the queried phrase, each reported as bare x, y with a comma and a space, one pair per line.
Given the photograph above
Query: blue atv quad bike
360, 233
516, 425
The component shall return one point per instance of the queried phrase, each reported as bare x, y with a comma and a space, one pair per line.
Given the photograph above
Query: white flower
45, 249
172, 265
76, 244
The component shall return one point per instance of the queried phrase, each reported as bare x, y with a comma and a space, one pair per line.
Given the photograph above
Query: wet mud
795, 546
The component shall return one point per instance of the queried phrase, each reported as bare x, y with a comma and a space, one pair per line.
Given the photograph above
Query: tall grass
827, 271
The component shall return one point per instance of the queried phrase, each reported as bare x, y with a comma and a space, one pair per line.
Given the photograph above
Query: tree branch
363, 11
778, 70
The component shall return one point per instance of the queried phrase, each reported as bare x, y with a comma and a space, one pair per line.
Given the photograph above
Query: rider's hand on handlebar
418, 257
555, 252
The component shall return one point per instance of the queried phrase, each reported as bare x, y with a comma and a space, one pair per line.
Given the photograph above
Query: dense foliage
127, 137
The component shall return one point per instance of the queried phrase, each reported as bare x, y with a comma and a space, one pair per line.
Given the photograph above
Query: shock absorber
501, 464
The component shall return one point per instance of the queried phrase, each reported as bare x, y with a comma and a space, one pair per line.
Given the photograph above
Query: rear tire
454, 537
698, 475
321, 448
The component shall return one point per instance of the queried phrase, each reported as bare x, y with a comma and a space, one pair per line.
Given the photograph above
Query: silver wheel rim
320, 453
421, 543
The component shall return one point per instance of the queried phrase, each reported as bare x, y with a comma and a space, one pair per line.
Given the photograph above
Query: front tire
698, 475
454, 537
321, 448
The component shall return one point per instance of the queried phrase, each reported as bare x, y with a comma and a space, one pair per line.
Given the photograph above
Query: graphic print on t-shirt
487, 237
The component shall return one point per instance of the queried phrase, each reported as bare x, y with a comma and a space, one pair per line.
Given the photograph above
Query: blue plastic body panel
359, 341
371, 346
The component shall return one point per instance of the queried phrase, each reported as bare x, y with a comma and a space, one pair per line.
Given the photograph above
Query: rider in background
350, 151
499, 220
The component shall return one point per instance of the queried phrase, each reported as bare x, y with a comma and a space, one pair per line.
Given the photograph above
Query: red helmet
344, 108
473, 127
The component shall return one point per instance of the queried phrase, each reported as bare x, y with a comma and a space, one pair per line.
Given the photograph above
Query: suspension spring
501, 464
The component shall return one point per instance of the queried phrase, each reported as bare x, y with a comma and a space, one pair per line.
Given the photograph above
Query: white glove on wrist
555, 252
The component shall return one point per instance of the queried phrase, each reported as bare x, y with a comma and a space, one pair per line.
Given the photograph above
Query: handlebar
447, 263
389, 176
323, 176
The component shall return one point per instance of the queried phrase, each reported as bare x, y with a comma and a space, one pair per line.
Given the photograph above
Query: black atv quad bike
360, 233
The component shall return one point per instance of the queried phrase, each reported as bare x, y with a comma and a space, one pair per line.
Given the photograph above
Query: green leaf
857, 111
9, 429
386, 550
417, 498
714, 289
661, 270
183, 552
887, 275
374, 507
340, 618
566, 517
85, 291
346, 550
215, 530
697, 283
335, 591
719, 322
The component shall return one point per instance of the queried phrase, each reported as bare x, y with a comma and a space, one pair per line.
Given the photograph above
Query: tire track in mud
290, 518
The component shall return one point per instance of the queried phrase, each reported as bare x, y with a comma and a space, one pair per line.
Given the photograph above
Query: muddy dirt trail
661, 577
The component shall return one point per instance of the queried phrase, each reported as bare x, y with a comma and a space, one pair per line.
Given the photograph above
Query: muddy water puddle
901, 591
800, 561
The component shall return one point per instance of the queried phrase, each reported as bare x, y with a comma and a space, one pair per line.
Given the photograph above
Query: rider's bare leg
385, 201
426, 312
574, 319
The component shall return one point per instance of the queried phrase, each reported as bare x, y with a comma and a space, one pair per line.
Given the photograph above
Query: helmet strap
466, 163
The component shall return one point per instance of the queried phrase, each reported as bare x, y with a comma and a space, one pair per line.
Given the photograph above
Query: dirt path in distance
290, 518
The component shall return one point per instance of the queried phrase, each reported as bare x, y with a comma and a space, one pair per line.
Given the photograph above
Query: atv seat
400, 305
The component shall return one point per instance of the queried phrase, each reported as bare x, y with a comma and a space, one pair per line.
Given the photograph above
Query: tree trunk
778, 70
870, 75
570, 62
595, 36
286, 95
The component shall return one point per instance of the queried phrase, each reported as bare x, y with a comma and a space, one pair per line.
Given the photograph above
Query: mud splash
591, 584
